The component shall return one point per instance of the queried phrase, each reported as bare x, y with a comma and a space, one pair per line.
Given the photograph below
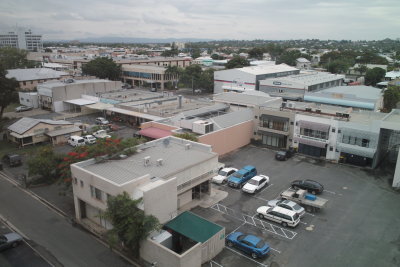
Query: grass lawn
11, 107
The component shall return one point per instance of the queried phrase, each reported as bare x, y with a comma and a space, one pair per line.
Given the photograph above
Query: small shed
61, 136
198, 229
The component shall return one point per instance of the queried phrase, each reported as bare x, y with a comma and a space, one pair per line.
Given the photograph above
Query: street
50, 234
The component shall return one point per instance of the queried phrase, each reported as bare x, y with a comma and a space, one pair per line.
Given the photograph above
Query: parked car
10, 240
279, 215
287, 204
311, 186
101, 121
12, 160
255, 184
75, 140
101, 134
223, 175
239, 178
250, 244
89, 139
22, 108
284, 154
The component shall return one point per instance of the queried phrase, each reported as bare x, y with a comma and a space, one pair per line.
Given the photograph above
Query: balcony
312, 141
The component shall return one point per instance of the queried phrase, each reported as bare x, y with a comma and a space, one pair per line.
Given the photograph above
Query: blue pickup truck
239, 178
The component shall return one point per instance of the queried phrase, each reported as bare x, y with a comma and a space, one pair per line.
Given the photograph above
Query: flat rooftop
52, 84
255, 98
306, 78
135, 67
267, 69
172, 150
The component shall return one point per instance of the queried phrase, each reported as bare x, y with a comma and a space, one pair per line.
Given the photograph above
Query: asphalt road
359, 226
50, 234
22, 255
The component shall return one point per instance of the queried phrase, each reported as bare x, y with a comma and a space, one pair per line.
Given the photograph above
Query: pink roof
155, 133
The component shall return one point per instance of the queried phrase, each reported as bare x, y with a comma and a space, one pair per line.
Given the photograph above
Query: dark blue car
250, 244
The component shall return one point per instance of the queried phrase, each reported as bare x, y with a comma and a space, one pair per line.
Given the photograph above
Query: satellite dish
166, 142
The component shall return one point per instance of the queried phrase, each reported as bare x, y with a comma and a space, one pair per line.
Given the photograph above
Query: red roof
154, 133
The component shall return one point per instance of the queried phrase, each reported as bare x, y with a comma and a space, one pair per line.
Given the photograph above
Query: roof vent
146, 161
188, 146
160, 162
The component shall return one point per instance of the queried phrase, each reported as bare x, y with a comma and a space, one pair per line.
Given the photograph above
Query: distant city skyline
224, 19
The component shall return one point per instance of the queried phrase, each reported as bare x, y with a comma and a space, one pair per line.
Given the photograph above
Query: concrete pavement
51, 234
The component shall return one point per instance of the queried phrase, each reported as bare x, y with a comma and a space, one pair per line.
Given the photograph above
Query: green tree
206, 80
103, 68
256, 52
361, 69
48, 50
237, 62
43, 162
8, 94
195, 53
391, 98
374, 76
176, 72
170, 53
217, 57
130, 224
13, 58
191, 76
187, 136
337, 66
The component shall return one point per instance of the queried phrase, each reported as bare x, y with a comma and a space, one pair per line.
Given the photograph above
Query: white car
287, 204
223, 174
256, 183
102, 121
101, 134
89, 139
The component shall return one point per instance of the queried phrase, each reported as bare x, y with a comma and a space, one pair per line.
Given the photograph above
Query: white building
247, 78
303, 63
167, 173
293, 87
22, 39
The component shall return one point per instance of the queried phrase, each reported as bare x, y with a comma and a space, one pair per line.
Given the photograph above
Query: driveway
359, 226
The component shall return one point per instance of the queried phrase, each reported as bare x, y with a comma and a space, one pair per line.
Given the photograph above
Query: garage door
312, 150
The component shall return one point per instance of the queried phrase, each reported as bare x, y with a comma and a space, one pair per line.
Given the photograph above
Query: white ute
223, 174
101, 134
256, 183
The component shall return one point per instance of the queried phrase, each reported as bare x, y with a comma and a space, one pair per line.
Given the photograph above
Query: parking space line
246, 257
275, 250
333, 193
252, 220
213, 262
260, 198
266, 187
310, 214
303, 223
238, 190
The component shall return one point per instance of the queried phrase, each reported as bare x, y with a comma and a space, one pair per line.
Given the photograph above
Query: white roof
267, 69
135, 114
306, 78
392, 74
80, 102
34, 74
302, 60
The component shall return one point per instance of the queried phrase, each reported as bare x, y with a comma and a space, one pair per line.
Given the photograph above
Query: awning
154, 133
80, 102
314, 126
100, 106
273, 118
310, 142
135, 114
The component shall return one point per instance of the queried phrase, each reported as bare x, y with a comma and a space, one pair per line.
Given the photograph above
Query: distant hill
131, 40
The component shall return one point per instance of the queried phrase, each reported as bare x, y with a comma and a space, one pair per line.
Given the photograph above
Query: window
331, 148
96, 193
333, 130
365, 143
81, 182
75, 180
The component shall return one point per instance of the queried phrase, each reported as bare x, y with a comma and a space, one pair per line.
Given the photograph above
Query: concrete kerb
73, 222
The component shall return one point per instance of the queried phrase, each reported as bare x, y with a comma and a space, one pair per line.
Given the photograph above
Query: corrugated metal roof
193, 227
233, 118
135, 114
80, 101
267, 69
68, 130
26, 123
244, 98
34, 74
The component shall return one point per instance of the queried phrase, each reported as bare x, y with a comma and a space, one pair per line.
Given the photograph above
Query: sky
208, 19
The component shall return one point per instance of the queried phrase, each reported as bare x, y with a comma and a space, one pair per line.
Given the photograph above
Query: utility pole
192, 85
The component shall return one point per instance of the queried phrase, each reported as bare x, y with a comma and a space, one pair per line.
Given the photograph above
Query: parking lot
359, 226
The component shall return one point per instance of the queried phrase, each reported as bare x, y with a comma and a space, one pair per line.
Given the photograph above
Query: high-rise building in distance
22, 39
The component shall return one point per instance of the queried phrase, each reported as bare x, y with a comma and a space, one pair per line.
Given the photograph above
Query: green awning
193, 227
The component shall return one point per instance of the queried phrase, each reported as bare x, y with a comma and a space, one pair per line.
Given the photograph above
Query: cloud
224, 19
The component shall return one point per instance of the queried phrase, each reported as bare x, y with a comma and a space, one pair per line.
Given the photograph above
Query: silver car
287, 204
10, 240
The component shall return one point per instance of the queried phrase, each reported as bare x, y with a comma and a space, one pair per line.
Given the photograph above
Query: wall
154, 252
213, 246
157, 125
234, 78
28, 99
184, 198
229, 139
161, 200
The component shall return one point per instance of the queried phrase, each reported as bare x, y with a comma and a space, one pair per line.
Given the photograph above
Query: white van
279, 215
75, 140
